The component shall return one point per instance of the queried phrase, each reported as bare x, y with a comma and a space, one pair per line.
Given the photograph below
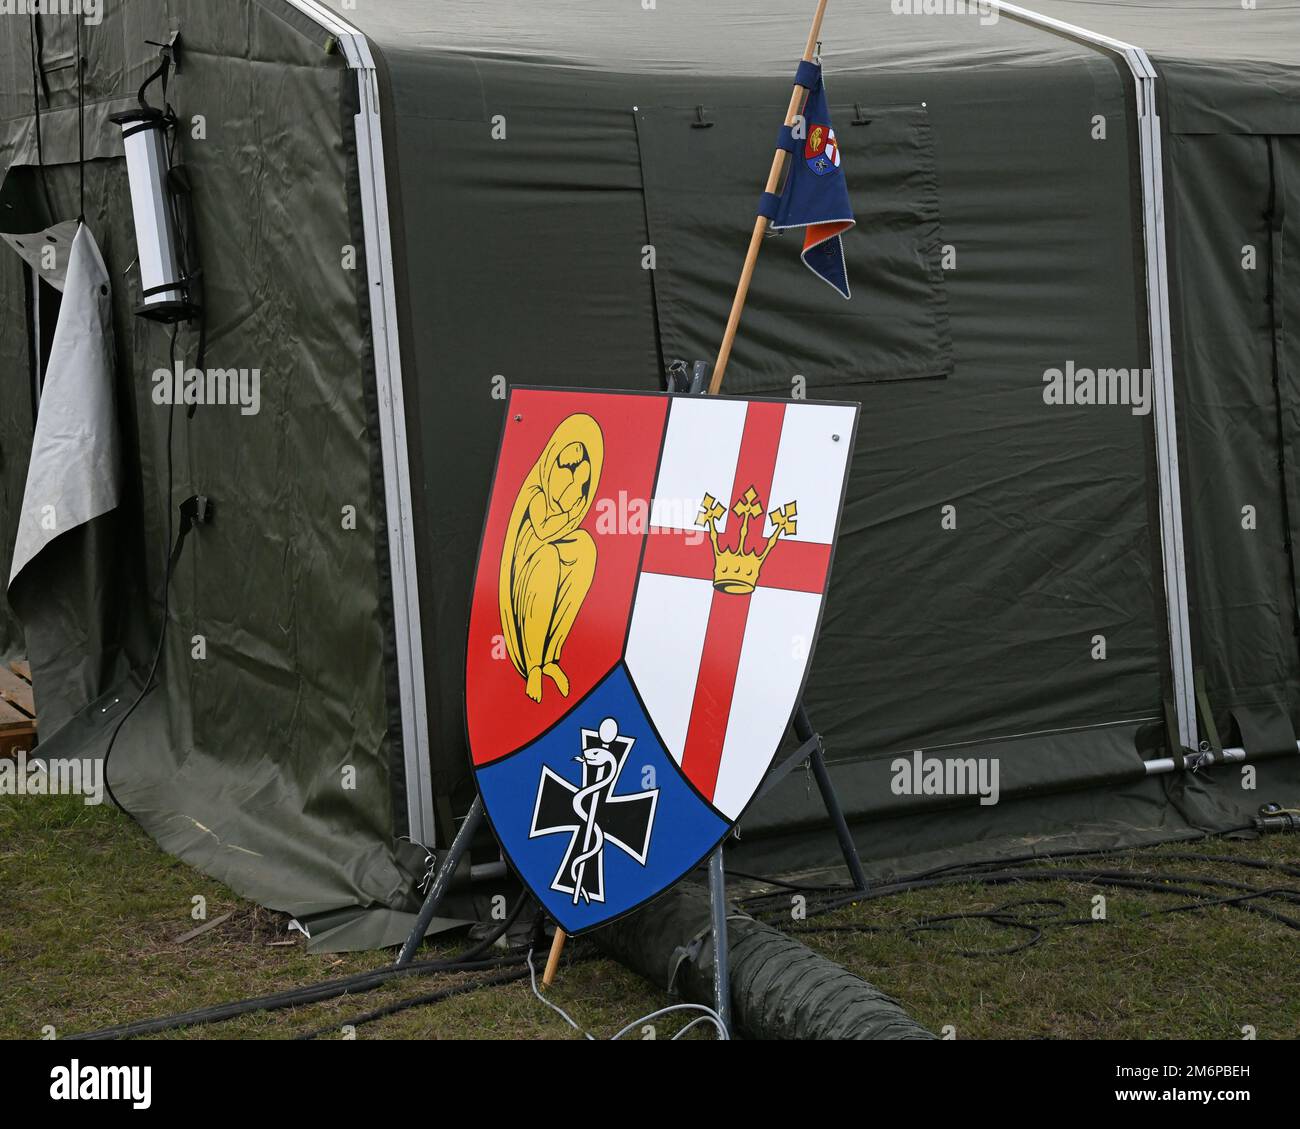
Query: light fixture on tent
160, 201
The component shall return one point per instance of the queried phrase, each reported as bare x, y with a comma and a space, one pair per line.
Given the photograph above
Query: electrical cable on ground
446, 993
708, 1014
1010, 915
1004, 915
293, 997
419, 1001
976, 868
326, 990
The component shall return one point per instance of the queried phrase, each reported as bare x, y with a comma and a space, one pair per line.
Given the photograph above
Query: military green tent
1069, 543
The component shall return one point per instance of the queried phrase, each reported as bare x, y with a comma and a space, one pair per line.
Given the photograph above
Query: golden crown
735, 571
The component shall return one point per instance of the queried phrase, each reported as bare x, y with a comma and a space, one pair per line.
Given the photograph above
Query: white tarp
46, 252
74, 475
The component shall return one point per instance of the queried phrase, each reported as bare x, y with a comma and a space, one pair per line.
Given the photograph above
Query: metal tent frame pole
1193, 761
398, 494
1162, 366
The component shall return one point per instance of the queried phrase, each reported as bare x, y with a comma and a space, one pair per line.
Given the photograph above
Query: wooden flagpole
729, 338
553, 961
760, 224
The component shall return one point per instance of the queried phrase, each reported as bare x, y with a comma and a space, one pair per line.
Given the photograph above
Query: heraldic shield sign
649, 588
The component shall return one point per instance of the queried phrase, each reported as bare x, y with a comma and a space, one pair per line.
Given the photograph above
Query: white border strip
1162, 365
392, 420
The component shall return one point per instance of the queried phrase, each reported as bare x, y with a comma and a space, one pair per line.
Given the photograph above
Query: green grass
1205, 974
90, 910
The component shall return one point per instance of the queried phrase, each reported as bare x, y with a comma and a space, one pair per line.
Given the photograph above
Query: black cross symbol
592, 815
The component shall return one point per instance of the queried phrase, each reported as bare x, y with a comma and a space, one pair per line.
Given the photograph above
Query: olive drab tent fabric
1067, 553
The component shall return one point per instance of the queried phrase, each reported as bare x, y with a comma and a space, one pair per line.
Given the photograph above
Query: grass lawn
1204, 974
90, 909
90, 913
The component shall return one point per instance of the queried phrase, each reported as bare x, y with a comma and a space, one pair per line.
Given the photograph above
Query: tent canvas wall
507, 175
236, 762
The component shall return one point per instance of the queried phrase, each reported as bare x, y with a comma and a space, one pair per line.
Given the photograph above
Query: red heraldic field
648, 593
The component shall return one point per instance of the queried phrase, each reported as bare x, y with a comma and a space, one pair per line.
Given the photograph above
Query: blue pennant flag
816, 195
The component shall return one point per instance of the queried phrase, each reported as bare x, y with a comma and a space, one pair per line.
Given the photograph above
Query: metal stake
442, 879
721, 960
804, 731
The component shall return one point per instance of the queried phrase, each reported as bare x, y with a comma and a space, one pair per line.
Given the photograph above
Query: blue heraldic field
644, 827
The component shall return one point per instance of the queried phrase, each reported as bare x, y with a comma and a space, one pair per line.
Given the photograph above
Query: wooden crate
17, 710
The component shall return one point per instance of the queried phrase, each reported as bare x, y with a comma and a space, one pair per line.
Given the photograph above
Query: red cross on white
833, 149
720, 672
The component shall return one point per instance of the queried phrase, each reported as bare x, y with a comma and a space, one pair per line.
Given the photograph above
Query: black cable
33, 28
437, 997
1035, 924
467, 961
1238, 900
293, 997
1157, 883
995, 873
420, 1001
1054, 856
456, 989
571, 958
492, 938
480, 946
1028, 858
81, 125
1253, 863
166, 595
1148, 882
163, 71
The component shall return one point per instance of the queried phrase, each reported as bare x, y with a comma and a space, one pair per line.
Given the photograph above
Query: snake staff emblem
548, 562
592, 815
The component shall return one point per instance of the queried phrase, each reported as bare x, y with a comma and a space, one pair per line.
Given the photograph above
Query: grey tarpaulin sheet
74, 474
46, 251
74, 479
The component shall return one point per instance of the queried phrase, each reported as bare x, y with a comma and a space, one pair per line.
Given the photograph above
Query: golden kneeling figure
547, 563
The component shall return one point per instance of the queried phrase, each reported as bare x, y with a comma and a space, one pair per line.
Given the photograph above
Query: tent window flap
702, 186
